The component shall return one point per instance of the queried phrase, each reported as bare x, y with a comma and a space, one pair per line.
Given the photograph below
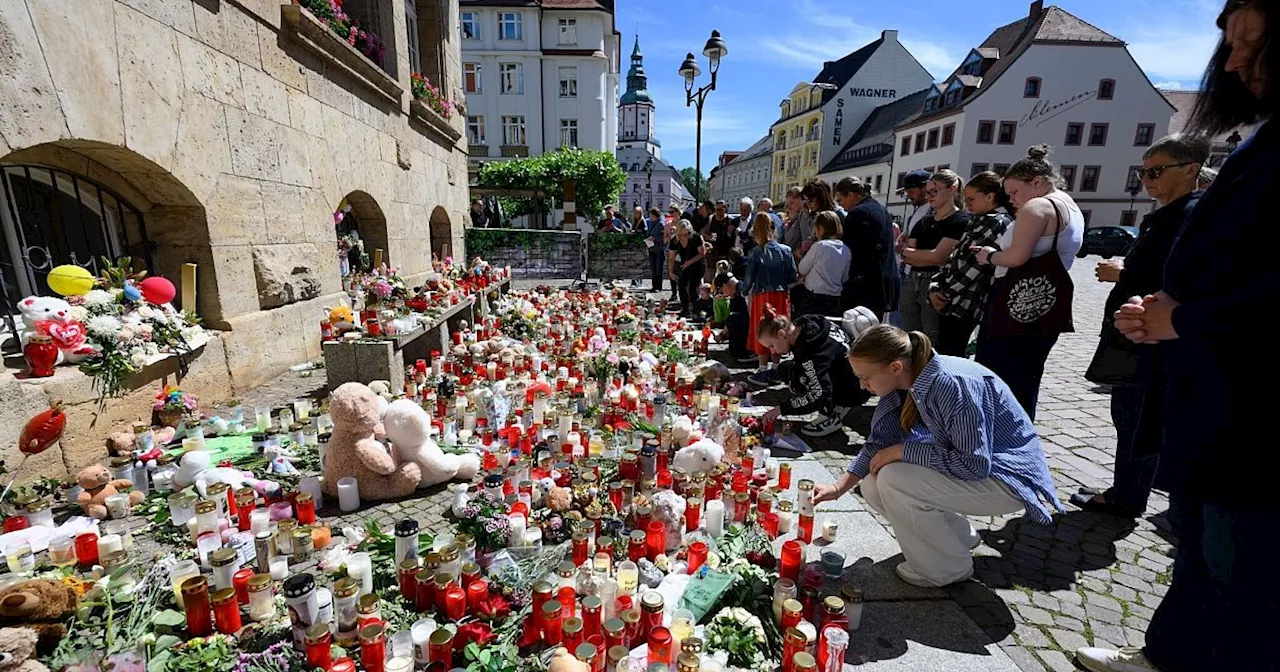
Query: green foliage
597, 175
605, 244
689, 175
480, 242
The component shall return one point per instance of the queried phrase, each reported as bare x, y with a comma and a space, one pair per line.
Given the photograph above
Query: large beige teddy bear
353, 450
408, 427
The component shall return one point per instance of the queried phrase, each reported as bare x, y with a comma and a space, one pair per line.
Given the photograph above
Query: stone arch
366, 218
441, 233
172, 223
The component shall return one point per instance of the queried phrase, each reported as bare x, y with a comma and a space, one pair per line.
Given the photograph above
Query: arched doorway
441, 233
361, 231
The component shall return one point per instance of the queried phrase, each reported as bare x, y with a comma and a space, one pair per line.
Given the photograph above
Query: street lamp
714, 50
1133, 197
648, 171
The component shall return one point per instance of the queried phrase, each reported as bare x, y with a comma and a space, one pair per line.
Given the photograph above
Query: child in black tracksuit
818, 376
735, 328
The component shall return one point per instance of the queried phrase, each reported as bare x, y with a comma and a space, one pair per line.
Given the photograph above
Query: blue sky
773, 44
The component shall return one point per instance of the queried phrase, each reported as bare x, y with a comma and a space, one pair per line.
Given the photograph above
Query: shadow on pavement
1048, 557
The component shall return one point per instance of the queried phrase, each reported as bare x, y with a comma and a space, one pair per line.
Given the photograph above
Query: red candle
542, 592
373, 647
195, 602
440, 649
784, 476
636, 548
425, 595
568, 598
806, 529
455, 603
664, 478
792, 552
692, 514
343, 665
591, 616
552, 623
579, 548
615, 496
15, 523
771, 525
245, 505
477, 592
407, 575
318, 641
660, 646
764, 504
657, 539
306, 509
741, 507
240, 581
226, 611
87, 550
792, 613
697, 555
793, 642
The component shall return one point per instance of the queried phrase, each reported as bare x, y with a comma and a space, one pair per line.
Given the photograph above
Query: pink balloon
158, 290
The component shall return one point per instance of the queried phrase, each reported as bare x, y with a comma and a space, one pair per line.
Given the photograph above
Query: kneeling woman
948, 440
819, 377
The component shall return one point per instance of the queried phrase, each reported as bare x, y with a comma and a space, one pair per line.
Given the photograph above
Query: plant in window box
330, 12
431, 96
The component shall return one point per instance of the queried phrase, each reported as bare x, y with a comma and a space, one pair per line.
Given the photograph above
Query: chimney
889, 35
826, 64
1037, 8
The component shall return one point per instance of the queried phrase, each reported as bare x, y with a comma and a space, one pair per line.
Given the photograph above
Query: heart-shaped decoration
66, 335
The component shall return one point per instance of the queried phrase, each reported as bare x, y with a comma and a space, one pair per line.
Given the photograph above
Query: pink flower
382, 288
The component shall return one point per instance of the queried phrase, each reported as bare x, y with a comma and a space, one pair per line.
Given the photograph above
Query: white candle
715, 517
460, 406
302, 409
259, 521
109, 543
491, 370
437, 366
562, 372
829, 528
516, 530
770, 467
533, 537
421, 633
279, 567
566, 426
539, 408
574, 439
360, 568
784, 521
264, 418
348, 494
311, 485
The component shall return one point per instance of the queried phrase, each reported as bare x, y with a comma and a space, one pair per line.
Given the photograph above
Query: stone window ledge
434, 121
156, 368
316, 37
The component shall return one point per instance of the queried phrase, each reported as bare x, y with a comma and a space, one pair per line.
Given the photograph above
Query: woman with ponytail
818, 376
948, 440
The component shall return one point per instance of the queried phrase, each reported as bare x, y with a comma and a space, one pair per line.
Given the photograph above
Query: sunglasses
1154, 172
931, 192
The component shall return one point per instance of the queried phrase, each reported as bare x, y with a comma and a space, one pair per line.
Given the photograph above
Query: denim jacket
770, 267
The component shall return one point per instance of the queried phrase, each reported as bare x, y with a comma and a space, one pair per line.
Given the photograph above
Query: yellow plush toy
341, 319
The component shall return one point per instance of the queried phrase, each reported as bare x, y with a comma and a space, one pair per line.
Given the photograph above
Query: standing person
1222, 606
686, 258
868, 233
913, 189
818, 376
611, 221
961, 288
825, 268
929, 245
766, 205
722, 232
637, 223
799, 229
1037, 251
770, 272
479, 218
655, 237
948, 440
1135, 372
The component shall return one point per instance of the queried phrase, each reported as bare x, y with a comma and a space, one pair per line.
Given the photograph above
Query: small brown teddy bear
353, 450
17, 645
98, 486
41, 606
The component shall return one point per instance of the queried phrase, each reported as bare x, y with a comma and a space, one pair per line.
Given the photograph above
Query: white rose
138, 359
145, 312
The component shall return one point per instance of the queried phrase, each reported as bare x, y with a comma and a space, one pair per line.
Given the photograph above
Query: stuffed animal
353, 451
194, 469
121, 443
409, 429
282, 459
40, 606
17, 645
563, 661
682, 430
700, 456
382, 388
341, 319
669, 508
98, 486
53, 317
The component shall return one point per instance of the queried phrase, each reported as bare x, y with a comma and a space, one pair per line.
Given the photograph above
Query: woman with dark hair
960, 290
868, 233
930, 244
1221, 609
824, 269
1032, 258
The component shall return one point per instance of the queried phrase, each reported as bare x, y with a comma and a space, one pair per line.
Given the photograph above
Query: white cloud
1170, 84
1173, 41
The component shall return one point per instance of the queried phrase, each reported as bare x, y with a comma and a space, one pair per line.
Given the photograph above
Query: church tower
635, 109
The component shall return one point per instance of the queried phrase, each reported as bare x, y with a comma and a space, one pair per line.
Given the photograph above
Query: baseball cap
914, 180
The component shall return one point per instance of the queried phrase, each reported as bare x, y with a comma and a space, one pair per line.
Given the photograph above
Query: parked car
1107, 241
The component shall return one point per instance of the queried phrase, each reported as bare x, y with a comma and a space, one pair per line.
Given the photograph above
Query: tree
598, 177
689, 176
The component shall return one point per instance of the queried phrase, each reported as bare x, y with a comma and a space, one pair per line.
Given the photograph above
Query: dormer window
1031, 89
974, 68
953, 96
931, 101
786, 109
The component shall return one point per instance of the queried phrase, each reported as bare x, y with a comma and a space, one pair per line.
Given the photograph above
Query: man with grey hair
746, 208
1170, 170
765, 205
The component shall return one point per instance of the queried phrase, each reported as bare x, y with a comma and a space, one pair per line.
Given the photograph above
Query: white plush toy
194, 470
701, 456
541, 489
408, 427
55, 318
682, 430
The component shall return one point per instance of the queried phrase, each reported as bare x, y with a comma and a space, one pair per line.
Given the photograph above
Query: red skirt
781, 302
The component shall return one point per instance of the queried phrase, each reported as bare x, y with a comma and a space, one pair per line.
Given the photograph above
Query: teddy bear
98, 486
53, 317
700, 456
408, 427
17, 645
353, 450
39, 606
195, 469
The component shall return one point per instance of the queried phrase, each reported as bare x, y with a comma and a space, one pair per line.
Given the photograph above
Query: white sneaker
1127, 659
906, 573
825, 425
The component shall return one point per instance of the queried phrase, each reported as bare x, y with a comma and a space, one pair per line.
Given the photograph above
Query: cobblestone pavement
1040, 591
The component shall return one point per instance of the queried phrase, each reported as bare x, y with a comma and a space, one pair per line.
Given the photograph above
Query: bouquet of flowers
172, 404
379, 286
431, 96
486, 522
740, 634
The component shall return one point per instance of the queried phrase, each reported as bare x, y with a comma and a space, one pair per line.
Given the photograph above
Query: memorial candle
715, 517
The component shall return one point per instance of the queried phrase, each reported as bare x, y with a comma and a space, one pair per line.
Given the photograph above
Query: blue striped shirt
971, 428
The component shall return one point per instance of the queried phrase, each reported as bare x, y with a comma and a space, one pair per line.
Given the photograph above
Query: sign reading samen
837, 134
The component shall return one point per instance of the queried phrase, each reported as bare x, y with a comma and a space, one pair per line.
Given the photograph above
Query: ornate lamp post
714, 50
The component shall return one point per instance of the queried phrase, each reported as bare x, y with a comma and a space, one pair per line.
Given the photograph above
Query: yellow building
797, 139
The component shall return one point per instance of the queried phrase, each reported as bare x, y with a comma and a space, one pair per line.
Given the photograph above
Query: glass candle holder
226, 611
656, 542
697, 555
262, 602
87, 549
182, 508
661, 646
440, 648
196, 605
373, 647
318, 641
345, 594
792, 558
62, 551
552, 623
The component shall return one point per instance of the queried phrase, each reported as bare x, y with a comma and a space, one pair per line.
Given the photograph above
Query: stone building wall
236, 135
532, 254
617, 256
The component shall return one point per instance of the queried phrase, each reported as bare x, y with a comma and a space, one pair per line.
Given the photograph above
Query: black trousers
657, 266
820, 304
1019, 361
687, 283
953, 335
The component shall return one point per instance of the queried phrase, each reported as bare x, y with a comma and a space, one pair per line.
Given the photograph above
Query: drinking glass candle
682, 623
62, 551
360, 568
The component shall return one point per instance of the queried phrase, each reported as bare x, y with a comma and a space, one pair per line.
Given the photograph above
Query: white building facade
748, 175
651, 182
1047, 78
539, 76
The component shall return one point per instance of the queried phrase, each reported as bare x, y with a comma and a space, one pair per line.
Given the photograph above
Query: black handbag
1113, 365
1034, 298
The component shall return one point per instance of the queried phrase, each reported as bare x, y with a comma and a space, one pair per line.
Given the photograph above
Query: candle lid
566, 568
614, 626
346, 587
194, 585
440, 637
688, 662
299, 585
803, 662
493, 481
222, 557
851, 593
409, 565
551, 608
376, 630
585, 652
543, 587
224, 595
785, 505
406, 527
691, 645
206, 506
217, 488
833, 604
617, 654
316, 634
652, 601
368, 603
444, 578
304, 498
591, 602
792, 606
572, 625
259, 583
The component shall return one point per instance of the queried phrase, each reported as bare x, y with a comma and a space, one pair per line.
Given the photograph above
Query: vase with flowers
172, 405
